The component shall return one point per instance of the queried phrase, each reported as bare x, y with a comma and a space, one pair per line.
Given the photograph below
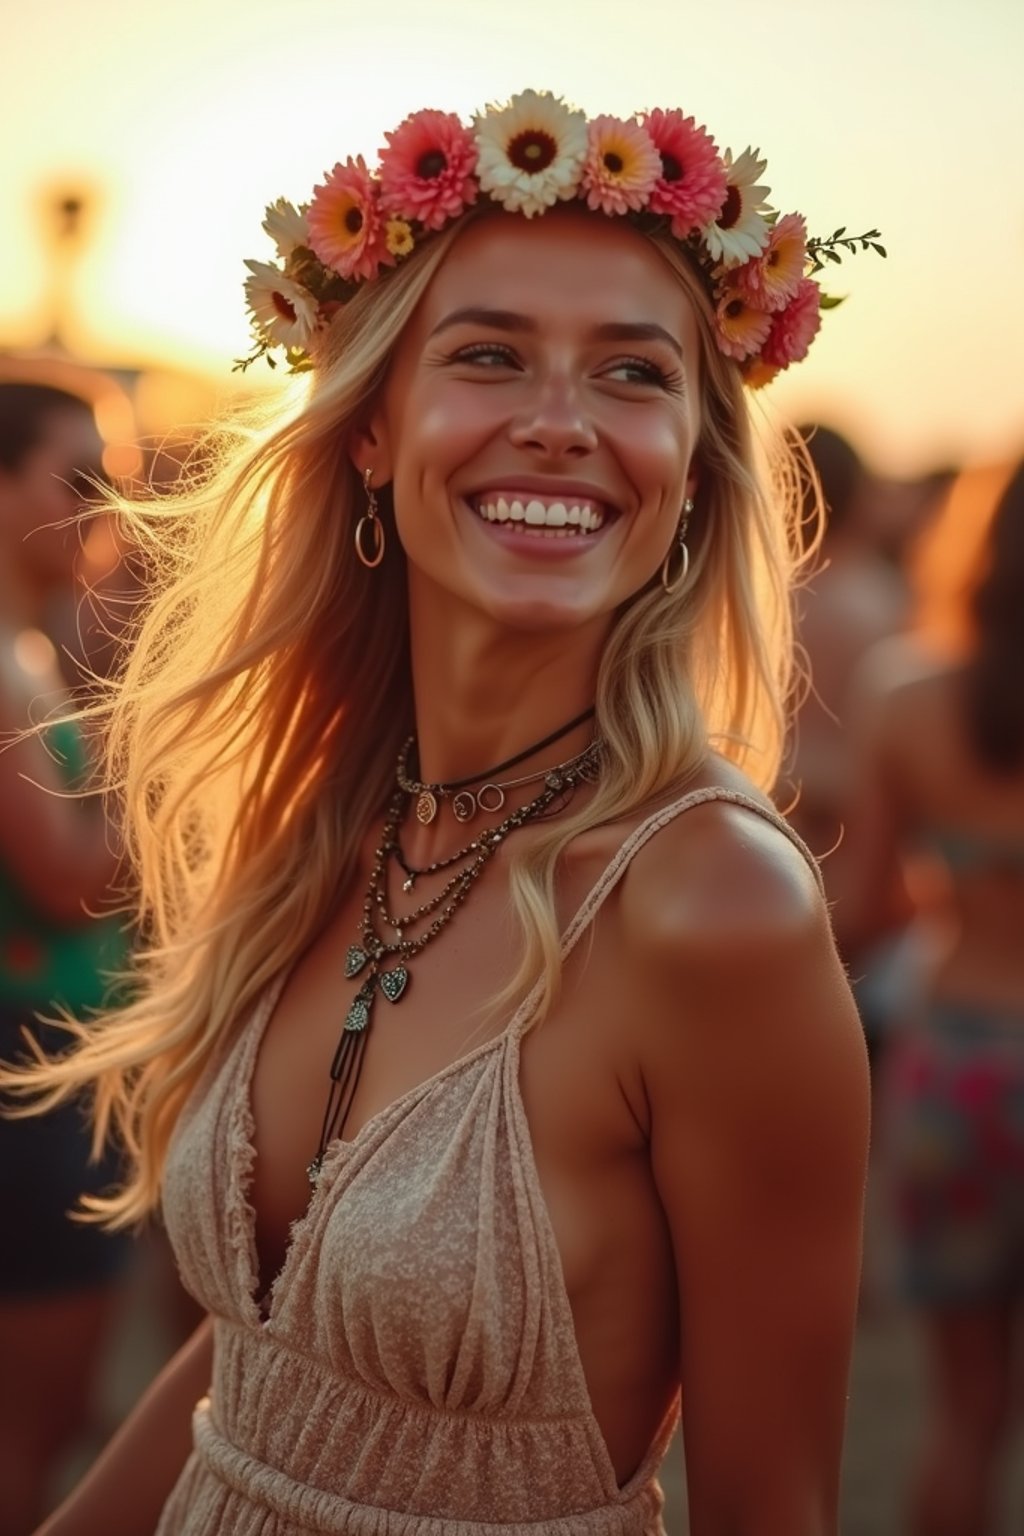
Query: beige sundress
415, 1371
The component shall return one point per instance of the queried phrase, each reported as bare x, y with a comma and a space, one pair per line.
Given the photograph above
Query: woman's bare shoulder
718, 873
735, 980
728, 941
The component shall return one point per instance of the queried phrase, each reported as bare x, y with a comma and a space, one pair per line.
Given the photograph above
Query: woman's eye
491, 354
639, 370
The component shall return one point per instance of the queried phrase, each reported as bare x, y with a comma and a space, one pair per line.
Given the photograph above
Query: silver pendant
464, 805
355, 959
394, 982
495, 801
358, 1015
426, 807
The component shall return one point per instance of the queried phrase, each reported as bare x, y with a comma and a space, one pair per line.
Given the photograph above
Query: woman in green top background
57, 862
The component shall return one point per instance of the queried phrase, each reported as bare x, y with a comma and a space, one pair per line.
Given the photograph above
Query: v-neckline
261, 1303
339, 1151
265, 1309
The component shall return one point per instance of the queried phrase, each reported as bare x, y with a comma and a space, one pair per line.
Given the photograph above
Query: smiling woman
458, 666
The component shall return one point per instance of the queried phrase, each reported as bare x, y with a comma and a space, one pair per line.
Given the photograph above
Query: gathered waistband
325, 1513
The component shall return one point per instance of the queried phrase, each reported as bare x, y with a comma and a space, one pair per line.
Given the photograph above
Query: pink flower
621, 167
692, 186
774, 277
742, 329
794, 328
345, 227
426, 172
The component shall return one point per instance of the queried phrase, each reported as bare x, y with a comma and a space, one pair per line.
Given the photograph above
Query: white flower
282, 311
531, 152
741, 229
286, 226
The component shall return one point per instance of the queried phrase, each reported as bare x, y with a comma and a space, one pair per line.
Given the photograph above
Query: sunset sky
185, 120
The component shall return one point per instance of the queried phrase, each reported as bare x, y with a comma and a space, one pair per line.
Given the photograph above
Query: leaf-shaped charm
354, 961
394, 982
358, 1015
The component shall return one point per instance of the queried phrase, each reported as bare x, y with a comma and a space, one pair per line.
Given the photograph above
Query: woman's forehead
567, 265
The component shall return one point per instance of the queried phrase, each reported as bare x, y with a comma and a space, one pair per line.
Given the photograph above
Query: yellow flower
742, 329
399, 237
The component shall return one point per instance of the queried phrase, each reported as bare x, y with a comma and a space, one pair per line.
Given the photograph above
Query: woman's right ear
369, 449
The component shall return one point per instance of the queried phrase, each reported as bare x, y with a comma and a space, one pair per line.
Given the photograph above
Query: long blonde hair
253, 730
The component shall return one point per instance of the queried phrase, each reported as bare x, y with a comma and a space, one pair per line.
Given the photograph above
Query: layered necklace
488, 797
384, 963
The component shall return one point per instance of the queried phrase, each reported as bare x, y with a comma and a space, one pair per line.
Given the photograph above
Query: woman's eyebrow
508, 320
493, 319
636, 330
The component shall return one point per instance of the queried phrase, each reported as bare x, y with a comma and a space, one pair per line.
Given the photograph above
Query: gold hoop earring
670, 583
370, 519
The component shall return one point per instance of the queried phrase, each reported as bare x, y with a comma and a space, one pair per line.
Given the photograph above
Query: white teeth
557, 516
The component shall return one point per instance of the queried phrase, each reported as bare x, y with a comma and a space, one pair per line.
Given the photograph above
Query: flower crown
660, 169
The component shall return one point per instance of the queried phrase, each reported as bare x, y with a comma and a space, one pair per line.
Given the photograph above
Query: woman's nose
555, 421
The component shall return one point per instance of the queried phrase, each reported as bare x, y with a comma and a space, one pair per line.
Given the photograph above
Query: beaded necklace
383, 964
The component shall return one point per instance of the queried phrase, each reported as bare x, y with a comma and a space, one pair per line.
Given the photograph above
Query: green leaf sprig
831, 247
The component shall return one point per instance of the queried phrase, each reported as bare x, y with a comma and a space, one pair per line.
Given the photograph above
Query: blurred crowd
905, 774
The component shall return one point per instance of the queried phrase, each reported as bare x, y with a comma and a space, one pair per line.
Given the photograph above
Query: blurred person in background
941, 788
897, 514
854, 599
57, 861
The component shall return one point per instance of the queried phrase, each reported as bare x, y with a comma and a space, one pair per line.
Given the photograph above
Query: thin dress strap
654, 823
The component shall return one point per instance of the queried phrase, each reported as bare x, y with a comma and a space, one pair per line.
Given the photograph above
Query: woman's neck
483, 696
481, 699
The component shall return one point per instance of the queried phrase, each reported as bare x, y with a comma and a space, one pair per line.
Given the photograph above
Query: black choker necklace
465, 806
384, 965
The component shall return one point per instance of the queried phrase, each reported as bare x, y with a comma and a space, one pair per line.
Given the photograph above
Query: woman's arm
756, 1073
128, 1485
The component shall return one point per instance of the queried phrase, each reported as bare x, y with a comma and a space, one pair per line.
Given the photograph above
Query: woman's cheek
452, 422
656, 453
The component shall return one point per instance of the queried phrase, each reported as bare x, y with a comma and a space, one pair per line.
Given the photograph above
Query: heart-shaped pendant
394, 982
358, 1015
354, 961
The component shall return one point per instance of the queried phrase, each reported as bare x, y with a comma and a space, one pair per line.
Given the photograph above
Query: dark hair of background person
995, 695
840, 471
24, 411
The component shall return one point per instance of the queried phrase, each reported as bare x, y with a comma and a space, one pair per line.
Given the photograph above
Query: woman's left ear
369, 449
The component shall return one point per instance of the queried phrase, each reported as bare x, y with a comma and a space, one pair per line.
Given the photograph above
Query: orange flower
772, 279
742, 329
